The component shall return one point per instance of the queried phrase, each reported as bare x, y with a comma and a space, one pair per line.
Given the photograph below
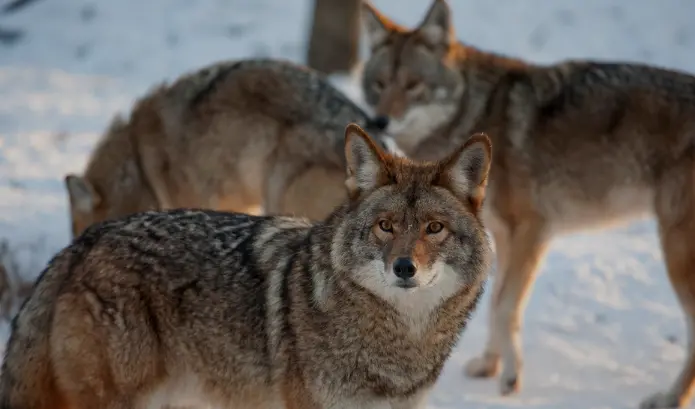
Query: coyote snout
380, 122
404, 268
408, 79
411, 250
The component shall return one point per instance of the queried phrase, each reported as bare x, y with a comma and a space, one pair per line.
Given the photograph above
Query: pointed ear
366, 162
436, 28
375, 24
83, 197
465, 172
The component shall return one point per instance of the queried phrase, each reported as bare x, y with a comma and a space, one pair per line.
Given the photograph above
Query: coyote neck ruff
234, 310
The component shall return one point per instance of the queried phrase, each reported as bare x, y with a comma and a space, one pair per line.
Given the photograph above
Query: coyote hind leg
675, 212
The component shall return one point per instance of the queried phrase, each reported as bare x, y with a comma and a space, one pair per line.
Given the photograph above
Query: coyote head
413, 227
411, 79
113, 184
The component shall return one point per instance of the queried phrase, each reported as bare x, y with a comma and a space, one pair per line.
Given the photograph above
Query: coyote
189, 306
236, 135
578, 144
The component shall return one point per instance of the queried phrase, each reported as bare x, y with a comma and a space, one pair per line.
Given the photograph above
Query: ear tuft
83, 197
436, 27
365, 161
465, 172
375, 24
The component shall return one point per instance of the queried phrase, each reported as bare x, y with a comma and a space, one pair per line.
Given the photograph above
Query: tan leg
487, 365
527, 246
676, 216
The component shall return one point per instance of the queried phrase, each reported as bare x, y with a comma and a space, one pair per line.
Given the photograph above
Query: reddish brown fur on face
392, 102
422, 252
412, 242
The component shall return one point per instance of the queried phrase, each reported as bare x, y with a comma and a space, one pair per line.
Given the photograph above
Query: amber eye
434, 228
386, 226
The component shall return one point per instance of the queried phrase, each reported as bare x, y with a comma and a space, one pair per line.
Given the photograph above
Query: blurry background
602, 328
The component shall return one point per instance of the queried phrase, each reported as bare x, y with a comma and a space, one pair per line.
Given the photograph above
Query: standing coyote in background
234, 136
579, 144
239, 311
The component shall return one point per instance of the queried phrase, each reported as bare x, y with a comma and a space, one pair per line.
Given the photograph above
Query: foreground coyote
579, 144
234, 136
194, 306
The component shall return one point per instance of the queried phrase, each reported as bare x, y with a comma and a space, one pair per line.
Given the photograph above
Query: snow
602, 328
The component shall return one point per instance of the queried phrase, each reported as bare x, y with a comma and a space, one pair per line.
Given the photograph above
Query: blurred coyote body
578, 144
233, 310
234, 136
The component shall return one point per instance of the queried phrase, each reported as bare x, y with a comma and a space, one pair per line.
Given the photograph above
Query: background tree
334, 39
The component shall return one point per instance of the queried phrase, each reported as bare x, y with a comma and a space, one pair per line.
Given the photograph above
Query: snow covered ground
602, 328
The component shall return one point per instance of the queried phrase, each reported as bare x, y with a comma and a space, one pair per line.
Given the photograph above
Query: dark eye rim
385, 225
438, 229
380, 84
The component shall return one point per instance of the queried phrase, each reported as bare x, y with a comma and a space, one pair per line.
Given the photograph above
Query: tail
27, 380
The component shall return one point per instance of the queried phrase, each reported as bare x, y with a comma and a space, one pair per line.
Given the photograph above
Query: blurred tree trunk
335, 34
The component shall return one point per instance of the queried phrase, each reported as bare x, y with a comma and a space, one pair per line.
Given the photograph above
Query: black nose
404, 267
380, 122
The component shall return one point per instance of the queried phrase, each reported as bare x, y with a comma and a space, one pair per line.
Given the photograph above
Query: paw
661, 401
485, 366
509, 383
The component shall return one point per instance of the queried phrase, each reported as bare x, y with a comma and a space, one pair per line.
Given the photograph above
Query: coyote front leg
488, 364
676, 217
527, 245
